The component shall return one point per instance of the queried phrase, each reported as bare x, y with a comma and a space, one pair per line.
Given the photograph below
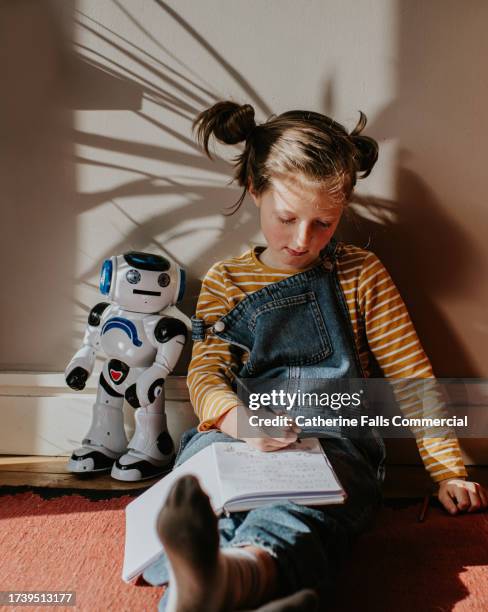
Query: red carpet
74, 544
439, 565
69, 544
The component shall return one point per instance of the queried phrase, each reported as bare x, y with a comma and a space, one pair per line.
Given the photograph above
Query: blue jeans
308, 543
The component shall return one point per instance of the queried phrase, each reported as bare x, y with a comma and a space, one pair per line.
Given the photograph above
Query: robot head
142, 282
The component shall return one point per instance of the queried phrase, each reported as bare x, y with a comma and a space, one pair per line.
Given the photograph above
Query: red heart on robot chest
115, 375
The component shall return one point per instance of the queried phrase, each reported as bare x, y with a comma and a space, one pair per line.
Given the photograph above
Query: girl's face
297, 222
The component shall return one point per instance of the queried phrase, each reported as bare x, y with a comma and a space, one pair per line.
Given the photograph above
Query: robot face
142, 282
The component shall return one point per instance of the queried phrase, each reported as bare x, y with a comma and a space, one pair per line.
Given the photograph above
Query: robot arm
81, 365
170, 335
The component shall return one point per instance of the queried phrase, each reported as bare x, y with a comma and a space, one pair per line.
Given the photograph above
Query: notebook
236, 477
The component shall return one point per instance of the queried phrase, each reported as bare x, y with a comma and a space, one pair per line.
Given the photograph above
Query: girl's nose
303, 236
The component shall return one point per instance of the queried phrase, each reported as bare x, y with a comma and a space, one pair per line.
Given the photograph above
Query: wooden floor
50, 472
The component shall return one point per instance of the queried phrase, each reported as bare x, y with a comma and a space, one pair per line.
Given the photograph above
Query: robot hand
77, 378
80, 368
150, 384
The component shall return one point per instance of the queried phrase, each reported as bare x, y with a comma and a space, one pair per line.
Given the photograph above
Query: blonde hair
306, 145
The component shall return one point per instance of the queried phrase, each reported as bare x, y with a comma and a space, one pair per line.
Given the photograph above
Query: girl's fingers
448, 503
462, 498
469, 496
474, 497
276, 445
483, 496
288, 435
260, 444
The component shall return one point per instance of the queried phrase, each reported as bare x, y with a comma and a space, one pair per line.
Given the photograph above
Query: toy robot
142, 349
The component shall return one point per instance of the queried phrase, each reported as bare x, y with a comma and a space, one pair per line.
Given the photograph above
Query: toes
186, 491
179, 493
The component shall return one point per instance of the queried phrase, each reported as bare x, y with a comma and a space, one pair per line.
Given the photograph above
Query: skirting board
42, 416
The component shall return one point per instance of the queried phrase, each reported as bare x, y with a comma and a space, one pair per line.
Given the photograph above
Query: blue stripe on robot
125, 325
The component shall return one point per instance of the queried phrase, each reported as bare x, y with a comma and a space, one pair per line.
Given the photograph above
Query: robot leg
105, 441
151, 449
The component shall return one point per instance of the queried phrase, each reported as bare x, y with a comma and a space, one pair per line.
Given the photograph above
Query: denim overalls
296, 329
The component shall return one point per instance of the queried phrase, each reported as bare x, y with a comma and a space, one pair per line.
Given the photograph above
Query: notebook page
300, 468
249, 503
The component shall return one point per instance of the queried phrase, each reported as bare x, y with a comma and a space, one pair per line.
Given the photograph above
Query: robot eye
133, 276
163, 280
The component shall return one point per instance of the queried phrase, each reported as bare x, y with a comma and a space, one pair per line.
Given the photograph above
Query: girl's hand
266, 443
260, 439
457, 495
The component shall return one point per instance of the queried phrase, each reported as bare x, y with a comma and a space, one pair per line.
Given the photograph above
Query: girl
303, 306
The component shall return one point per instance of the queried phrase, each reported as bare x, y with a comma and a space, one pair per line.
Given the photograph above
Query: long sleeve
393, 341
209, 381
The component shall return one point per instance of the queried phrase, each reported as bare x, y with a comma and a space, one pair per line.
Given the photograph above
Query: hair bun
235, 123
366, 148
228, 122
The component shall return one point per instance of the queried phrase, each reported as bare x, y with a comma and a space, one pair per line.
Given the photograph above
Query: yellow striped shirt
383, 333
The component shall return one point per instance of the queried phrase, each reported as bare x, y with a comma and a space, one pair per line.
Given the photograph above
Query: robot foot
132, 468
90, 461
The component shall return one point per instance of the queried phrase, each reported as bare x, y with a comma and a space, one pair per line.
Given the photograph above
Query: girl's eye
286, 221
325, 224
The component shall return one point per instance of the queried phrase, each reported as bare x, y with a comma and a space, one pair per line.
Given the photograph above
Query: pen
423, 509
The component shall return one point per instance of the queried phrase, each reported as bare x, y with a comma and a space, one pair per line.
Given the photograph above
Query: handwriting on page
245, 470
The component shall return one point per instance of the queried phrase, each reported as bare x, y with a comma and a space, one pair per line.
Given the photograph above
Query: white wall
100, 158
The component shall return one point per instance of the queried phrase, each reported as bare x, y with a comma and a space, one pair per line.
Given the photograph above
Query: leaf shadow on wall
100, 82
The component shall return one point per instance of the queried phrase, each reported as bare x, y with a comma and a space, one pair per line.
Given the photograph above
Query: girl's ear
253, 194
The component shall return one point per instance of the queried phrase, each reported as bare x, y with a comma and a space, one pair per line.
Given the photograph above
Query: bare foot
187, 527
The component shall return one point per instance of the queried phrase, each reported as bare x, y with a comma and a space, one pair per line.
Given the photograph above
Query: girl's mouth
295, 253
